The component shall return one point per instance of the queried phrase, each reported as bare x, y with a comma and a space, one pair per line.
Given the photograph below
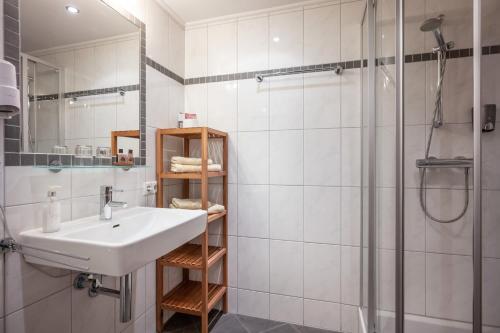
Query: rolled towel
188, 160
193, 168
196, 204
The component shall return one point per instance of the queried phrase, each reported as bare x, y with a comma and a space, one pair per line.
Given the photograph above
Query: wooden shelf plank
189, 256
192, 132
214, 217
186, 297
190, 175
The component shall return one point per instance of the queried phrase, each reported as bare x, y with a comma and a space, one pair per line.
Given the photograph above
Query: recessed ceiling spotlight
72, 9
276, 39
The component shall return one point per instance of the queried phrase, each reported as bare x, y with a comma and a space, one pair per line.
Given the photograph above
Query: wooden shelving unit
192, 297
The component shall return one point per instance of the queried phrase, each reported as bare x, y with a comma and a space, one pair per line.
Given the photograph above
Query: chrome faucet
106, 202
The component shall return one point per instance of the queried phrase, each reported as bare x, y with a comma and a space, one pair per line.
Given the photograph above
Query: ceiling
46, 23
195, 10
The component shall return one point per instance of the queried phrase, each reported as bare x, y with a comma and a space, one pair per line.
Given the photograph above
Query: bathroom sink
133, 238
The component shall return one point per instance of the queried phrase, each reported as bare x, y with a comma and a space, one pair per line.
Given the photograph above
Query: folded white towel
188, 160
196, 204
193, 168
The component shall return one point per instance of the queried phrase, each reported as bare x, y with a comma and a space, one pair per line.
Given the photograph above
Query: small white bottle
52, 220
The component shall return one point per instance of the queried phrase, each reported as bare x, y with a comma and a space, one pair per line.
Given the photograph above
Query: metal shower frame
370, 325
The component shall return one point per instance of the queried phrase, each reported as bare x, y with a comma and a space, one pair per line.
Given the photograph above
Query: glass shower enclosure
430, 157
42, 89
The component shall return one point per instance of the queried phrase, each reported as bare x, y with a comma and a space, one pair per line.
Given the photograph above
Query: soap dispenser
52, 218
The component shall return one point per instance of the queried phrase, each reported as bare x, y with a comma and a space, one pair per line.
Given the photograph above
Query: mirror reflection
80, 78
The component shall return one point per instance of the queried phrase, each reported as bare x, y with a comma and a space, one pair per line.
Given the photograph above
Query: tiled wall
438, 257
39, 303
294, 158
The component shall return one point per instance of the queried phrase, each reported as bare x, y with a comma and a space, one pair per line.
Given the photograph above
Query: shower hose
437, 111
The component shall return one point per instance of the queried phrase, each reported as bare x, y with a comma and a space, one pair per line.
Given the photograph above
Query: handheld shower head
434, 25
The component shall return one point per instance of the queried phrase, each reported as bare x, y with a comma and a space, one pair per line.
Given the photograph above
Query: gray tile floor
231, 323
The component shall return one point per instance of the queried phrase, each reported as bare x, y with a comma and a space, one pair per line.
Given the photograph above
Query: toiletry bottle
122, 158
52, 216
130, 156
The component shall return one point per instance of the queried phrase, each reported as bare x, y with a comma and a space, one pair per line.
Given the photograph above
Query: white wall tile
414, 221
491, 291
222, 105
253, 157
88, 182
414, 276
286, 40
350, 319
415, 93
253, 105
253, 270
351, 103
351, 156
350, 202
286, 212
286, 162
25, 285
321, 100
105, 65
322, 214
127, 112
322, 35
322, 315
350, 258
157, 101
253, 210
386, 279
176, 57
449, 284
322, 157
253, 303
286, 275
321, 273
52, 314
128, 63
157, 31
196, 52
286, 102
91, 314
25, 185
232, 258
196, 101
222, 48
351, 14
253, 44
232, 210
232, 300
287, 309
84, 69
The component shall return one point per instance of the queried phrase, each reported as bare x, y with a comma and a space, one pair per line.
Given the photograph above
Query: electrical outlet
150, 188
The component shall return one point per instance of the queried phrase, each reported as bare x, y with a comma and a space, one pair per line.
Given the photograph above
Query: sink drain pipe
95, 288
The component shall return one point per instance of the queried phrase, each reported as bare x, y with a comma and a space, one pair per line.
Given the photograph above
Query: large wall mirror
82, 79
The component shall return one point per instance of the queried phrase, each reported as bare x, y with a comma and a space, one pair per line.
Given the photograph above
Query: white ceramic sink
133, 238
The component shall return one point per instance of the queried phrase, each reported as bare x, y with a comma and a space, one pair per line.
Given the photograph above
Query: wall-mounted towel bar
337, 70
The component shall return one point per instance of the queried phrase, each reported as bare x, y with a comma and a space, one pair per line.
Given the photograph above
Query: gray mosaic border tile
12, 143
164, 70
92, 92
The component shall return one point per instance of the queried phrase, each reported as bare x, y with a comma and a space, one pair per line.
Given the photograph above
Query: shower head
434, 25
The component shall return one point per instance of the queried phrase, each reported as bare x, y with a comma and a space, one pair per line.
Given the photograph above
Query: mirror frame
12, 128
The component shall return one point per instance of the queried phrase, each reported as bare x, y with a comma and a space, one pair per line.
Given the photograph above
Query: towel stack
196, 204
191, 164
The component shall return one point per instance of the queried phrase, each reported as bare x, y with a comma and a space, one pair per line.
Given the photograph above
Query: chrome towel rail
337, 70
